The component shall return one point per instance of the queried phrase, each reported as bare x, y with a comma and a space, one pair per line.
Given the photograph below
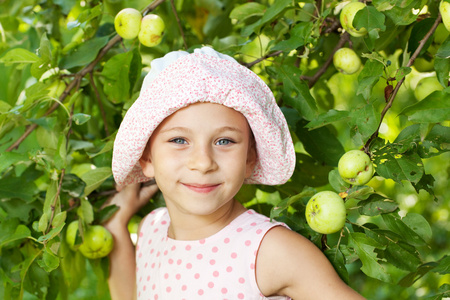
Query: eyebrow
187, 130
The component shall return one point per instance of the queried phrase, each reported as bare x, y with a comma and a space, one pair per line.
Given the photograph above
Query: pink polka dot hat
179, 79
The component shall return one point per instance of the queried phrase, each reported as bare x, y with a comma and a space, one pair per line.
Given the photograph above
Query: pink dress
221, 266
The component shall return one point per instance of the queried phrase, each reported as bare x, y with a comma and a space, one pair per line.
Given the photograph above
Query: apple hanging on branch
152, 30
355, 167
346, 18
346, 61
128, 23
325, 212
444, 9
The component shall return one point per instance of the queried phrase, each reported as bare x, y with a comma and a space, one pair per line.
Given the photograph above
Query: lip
201, 188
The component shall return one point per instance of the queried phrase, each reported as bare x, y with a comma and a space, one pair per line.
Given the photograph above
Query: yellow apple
152, 30
325, 212
444, 9
346, 61
348, 14
128, 23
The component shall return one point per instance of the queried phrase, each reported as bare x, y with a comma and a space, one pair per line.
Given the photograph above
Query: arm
122, 274
301, 270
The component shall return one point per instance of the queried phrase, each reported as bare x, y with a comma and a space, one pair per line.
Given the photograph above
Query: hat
180, 79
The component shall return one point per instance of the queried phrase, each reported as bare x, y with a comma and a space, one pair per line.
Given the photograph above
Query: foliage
66, 81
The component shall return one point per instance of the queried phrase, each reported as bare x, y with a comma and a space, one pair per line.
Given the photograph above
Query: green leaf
94, 178
444, 50
271, 13
401, 73
443, 266
365, 248
49, 261
80, 118
52, 234
328, 117
8, 159
375, 205
338, 261
369, 77
85, 211
84, 53
297, 92
365, 121
73, 185
442, 68
435, 108
116, 79
310, 172
19, 56
61, 153
299, 36
59, 219
418, 32
321, 144
403, 256
371, 19
412, 277
397, 166
401, 14
9, 190
397, 225
21, 232
419, 225
337, 182
247, 10
359, 192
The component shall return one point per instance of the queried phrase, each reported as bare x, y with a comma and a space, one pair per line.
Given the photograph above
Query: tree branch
251, 64
77, 79
345, 37
100, 104
179, 23
397, 87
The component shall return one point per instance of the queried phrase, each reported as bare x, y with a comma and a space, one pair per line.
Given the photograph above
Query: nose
202, 159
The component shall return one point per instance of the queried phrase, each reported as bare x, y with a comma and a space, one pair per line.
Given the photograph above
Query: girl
203, 126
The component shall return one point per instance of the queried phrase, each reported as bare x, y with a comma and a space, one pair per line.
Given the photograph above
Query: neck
186, 226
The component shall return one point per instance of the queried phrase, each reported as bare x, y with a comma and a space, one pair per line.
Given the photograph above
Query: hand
129, 200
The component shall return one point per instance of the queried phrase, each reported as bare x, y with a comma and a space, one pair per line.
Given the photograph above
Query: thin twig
77, 79
179, 24
100, 104
345, 37
397, 87
251, 64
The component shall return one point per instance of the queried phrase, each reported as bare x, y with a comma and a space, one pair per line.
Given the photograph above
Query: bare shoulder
288, 264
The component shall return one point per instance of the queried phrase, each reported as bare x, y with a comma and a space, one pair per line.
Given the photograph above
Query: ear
146, 164
252, 157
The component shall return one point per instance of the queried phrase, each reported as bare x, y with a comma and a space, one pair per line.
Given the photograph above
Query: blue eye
179, 141
224, 142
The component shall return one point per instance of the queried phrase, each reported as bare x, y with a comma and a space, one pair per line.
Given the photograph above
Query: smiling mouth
201, 188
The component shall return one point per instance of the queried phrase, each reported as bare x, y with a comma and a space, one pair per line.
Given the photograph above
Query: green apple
98, 242
355, 167
348, 14
325, 212
346, 61
152, 30
444, 9
426, 86
422, 64
71, 235
128, 23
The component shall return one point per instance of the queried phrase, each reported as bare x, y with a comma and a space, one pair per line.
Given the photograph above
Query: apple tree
67, 79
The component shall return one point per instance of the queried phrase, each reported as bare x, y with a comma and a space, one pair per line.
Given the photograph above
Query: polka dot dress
221, 266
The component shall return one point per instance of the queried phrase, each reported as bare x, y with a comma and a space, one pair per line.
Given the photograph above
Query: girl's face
200, 156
